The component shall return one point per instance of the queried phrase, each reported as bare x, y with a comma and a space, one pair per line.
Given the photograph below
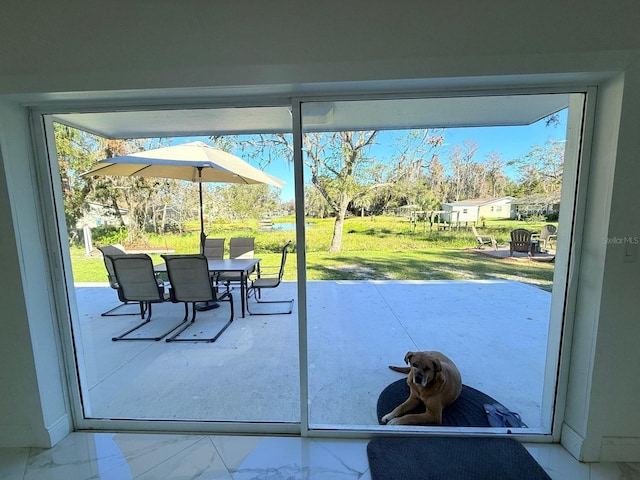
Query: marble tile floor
496, 332
120, 456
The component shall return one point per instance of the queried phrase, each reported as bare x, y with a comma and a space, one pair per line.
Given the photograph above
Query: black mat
467, 411
451, 458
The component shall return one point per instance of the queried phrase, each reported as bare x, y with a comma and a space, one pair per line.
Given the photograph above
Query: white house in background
98, 214
536, 204
474, 209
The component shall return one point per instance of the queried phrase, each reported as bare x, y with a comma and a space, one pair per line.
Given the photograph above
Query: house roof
479, 202
102, 206
538, 199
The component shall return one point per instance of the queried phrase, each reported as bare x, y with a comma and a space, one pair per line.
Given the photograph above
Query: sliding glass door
400, 212
411, 205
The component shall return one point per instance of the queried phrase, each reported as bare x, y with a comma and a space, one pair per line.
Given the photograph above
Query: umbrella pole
202, 235
201, 307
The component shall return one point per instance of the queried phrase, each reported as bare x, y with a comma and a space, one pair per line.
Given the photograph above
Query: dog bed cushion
451, 458
467, 411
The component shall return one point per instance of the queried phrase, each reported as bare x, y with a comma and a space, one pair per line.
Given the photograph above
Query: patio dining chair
484, 239
190, 284
239, 247
213, 249
520, 241
268, 281
137, 282
107, 252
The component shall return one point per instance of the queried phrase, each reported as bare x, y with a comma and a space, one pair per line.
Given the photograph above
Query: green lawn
373, 248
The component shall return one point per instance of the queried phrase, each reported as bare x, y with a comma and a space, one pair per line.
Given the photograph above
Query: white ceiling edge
91, 99
393, 113
157, 113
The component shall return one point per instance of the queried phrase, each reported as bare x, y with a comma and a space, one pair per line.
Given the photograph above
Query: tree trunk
163, 221
116, 209
336, 240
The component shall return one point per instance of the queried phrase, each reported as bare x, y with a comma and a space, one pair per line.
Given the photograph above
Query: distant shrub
536, 218
172, 227
108, 234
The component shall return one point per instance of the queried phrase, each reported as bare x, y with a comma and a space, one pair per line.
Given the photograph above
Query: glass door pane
248, 374
411, 205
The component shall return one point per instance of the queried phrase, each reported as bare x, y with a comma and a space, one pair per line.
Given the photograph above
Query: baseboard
59, 429
612, 449
620, 449
571, 441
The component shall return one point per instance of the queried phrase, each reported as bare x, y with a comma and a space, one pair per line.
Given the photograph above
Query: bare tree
76, 153
463, 171
540, 170
315, 204
343, 172
497, 181
340, 170
412, 171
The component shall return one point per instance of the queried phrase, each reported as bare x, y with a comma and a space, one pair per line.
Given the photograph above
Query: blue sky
510, 142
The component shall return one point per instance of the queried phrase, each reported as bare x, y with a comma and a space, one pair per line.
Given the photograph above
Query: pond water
285, 226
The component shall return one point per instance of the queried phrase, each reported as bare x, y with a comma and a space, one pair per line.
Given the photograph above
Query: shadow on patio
495, 331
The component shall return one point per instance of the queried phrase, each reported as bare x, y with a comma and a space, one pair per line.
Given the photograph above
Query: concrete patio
495, 331
504, 253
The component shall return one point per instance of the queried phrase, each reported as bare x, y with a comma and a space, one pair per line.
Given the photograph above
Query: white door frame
60, 261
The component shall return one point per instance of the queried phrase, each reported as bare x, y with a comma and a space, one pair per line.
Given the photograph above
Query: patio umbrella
195, 162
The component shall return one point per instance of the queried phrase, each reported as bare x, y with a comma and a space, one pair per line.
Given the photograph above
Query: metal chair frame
110, 251
267, 281
213, 249
145, 288
190, 284
239, 247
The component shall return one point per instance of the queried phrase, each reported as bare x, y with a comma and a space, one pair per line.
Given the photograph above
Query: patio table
243, 266
535, 247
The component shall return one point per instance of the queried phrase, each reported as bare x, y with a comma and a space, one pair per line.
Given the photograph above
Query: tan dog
434, 380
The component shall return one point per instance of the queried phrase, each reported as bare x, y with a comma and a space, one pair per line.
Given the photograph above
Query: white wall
501, 209
605, 405
52, 48
20, 402
52, 51
33, 407
472, 214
